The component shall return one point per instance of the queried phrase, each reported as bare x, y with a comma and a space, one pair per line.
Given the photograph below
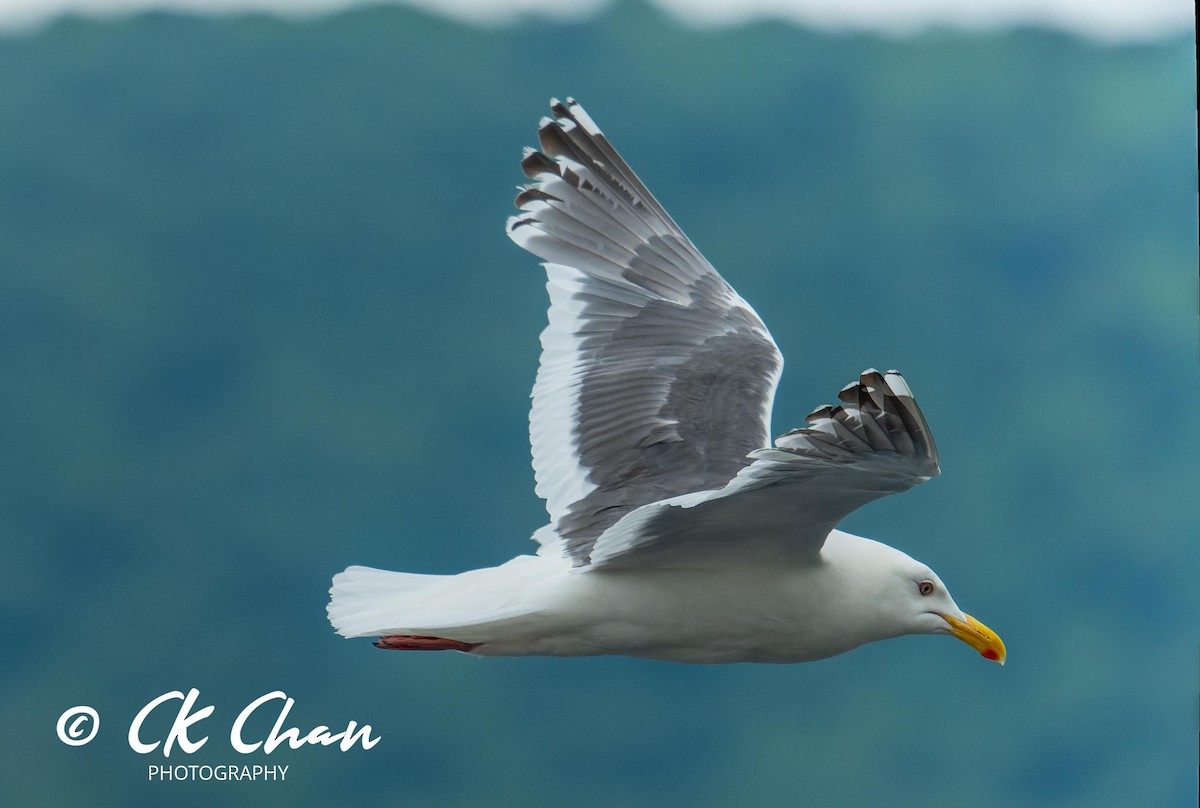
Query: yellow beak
978, 636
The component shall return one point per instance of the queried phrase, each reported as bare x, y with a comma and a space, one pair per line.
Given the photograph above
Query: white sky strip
1106, 20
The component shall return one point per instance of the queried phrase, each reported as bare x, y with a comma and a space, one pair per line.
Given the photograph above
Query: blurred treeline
259, 320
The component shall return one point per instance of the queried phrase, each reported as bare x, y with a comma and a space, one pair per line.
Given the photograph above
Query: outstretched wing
656, 378
780, 508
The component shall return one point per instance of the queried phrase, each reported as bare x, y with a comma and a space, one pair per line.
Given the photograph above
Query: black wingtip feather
535, 164
877, 414
528, 195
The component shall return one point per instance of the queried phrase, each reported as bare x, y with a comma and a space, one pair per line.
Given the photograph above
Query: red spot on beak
988, 653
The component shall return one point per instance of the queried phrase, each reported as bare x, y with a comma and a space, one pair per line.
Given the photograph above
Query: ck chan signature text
78, 725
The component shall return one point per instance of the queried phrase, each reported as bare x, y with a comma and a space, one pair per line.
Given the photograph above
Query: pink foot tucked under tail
411, 642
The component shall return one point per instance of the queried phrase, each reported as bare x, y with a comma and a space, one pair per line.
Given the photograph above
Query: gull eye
926, 587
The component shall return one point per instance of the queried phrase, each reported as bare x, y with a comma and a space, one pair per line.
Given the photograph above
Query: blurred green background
259, 320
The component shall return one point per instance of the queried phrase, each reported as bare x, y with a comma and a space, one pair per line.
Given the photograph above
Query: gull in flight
677, 532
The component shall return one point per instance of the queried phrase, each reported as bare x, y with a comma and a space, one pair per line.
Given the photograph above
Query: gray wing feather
780, 508
656, 379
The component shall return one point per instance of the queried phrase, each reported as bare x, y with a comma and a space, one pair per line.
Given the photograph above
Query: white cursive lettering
179, 728
353, 734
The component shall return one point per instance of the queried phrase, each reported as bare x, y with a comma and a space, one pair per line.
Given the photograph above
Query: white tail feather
367, 602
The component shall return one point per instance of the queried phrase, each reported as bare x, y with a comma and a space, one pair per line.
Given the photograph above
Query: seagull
677, 531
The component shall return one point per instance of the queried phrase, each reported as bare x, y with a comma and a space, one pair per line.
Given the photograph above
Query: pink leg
410, 642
